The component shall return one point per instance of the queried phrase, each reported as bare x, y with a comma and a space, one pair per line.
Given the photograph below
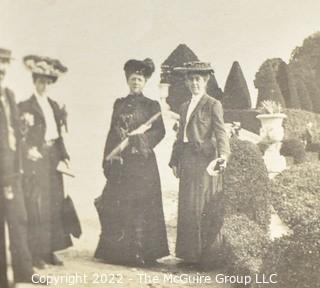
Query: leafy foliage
246, 184
296, 257
294, 148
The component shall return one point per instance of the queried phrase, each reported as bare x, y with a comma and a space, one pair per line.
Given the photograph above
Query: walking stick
118, 149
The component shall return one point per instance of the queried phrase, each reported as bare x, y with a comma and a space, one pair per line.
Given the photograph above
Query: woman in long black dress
132, 219
44, 146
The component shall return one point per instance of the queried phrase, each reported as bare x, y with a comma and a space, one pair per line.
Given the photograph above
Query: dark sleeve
174, 160
60, 117
219, 130
112, 140
145, 142
63, 150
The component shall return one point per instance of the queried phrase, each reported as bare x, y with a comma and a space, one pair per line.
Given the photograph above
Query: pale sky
95, 37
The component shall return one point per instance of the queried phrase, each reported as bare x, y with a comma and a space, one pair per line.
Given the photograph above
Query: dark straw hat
194, 67
144, 67
5, 54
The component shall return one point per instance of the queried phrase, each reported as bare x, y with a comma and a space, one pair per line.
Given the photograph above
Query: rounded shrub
294, 148
244, 245
246, 184
296, 257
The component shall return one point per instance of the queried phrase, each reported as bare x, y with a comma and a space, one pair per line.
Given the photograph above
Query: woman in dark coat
202, 143
133, 227
44, 150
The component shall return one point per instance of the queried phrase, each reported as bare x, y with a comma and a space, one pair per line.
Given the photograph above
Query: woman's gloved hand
112, 167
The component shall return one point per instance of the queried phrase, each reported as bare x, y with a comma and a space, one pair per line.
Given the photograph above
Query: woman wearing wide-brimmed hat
202, 143
44, 150
131, 211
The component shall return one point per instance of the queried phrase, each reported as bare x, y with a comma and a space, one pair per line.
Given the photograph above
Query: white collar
39, 97
196, 98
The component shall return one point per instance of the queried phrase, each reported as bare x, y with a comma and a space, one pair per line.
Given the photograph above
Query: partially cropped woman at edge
132, 219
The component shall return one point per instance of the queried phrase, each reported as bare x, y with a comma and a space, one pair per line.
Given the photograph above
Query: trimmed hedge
296, 198
244, 245
246, 184
247, 118
296, 123
295, 195
295, 261
244, 212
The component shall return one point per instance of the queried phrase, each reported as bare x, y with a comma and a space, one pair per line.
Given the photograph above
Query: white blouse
51, 125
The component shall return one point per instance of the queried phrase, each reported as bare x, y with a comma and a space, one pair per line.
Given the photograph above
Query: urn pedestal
272, 132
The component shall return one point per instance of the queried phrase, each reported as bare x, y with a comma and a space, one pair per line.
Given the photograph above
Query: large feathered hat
44, 66
144, 67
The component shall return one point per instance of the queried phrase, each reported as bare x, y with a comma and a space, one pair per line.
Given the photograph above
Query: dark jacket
43, 184
7, 175
205, 130
36, 133
128, 114
131, 210
13, 211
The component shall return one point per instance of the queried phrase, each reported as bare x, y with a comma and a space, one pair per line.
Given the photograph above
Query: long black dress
43, 184
132, 219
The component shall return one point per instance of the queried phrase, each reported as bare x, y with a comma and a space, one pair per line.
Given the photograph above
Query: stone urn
164, 93
272, 133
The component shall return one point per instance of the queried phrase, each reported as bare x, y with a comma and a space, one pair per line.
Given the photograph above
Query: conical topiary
236, 92
178, 92
179, 56
267, 85
213, 88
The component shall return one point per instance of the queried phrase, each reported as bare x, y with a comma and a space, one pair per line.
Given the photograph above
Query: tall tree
287, 85
236, 92
305, 62
303, 95
302, 69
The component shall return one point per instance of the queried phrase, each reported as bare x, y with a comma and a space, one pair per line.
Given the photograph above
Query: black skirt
131, 213
199, 194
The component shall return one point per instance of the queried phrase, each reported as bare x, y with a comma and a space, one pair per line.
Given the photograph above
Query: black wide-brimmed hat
194, 67
44, 66
142, 67
5, 54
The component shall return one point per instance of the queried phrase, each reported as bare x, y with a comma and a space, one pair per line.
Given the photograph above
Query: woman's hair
145, 67
36, 76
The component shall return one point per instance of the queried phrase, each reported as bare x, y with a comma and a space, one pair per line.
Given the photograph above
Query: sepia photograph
159, 144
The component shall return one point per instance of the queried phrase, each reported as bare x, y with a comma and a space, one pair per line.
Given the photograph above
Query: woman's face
41, 84
196, 83
136, 83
